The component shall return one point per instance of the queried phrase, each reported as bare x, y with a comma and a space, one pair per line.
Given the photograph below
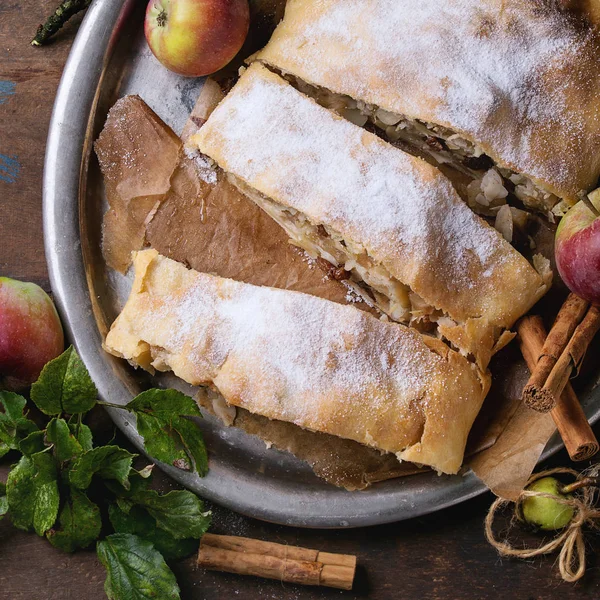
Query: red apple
30, 333
577, 251
196, 37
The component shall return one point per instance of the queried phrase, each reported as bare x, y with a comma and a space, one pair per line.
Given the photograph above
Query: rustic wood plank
439, 557
29, 79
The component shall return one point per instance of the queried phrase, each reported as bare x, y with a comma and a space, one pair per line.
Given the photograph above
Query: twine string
571, 561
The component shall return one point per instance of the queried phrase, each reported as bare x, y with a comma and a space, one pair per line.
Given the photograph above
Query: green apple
546, 513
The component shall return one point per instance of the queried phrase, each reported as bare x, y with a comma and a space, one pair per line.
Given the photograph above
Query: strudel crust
518, 79
400, 211
302, 359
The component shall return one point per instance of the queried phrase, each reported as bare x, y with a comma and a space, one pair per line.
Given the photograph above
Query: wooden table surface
441, 556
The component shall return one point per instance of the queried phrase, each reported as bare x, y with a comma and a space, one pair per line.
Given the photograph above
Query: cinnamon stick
570, 315
571, 422
247, 556
572, 356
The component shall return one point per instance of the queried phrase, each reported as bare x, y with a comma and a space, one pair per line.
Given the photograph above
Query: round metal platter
110, 59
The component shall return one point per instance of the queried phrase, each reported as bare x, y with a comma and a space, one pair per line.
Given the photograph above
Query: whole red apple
30, 333
577, 251
196, 37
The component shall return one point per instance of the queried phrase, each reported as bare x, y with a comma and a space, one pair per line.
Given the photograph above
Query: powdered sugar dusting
304, 342
519, 78
352, 297
293, 150
403, 211
295, 357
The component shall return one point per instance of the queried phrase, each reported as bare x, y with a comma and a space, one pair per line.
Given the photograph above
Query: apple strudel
389, 222
302, 359
506, 89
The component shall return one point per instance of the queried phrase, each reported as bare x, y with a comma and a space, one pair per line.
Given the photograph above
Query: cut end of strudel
302, 359
505, 88
392, 223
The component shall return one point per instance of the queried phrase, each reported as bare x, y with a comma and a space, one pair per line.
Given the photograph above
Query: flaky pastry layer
444, 147
515, 80
302, 359
394, 218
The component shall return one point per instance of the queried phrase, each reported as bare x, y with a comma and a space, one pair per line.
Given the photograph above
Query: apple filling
348, 261
492, 186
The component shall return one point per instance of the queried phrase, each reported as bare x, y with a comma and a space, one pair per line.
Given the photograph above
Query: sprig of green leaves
59, 484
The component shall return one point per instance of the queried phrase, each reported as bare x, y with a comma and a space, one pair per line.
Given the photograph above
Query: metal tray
108, 60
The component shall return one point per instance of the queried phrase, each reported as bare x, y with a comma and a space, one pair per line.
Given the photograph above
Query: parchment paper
506, 466
136, 177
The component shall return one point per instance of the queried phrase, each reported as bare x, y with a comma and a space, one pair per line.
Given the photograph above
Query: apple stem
586, 200
584, 482
161, 20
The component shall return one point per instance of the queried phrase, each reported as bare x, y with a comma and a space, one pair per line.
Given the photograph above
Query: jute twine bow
570, 540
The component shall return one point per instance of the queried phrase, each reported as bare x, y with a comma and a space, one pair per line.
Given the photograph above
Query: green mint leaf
139, 522
191, 439
168, 436
14, 425
47, 496
32, 493
64, 386
137, 483
3, 500
135, 570
164, 404
24, 428
82, 433
65, 444
13, 405
19, 490
80, 523
125, 504
109, 462
179, 513
161, 441
33, 443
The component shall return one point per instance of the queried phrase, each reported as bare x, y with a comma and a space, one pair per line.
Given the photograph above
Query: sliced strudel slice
503, 87
302, 359
390, 222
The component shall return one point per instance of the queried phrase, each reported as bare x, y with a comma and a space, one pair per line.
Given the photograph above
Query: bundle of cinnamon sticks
553, 360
